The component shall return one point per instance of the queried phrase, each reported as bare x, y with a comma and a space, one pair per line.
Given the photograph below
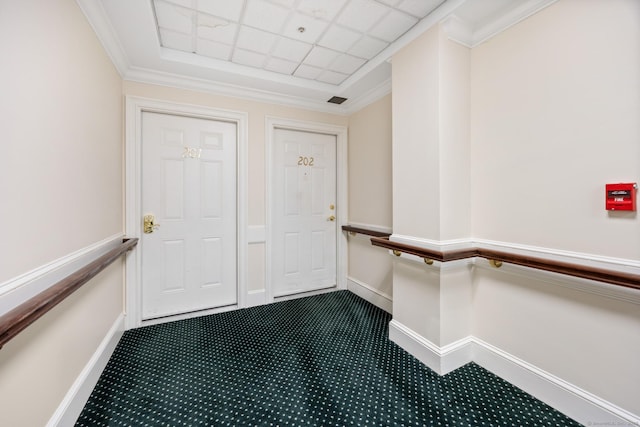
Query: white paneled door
189, 203
304, 211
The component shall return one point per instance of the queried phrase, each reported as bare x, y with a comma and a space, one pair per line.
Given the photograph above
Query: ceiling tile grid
323, 40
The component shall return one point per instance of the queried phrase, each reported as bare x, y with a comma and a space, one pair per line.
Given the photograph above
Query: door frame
340, 132
135, 106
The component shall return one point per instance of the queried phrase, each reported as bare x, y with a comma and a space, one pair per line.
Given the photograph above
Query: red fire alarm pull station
621, 197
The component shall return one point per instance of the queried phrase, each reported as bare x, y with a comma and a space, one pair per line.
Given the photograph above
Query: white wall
555, 102
61, 191
555, 107
370, 205
416, 138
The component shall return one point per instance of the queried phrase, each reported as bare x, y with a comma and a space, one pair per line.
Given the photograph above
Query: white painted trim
97, 17
303, 294
374, 227
433, 245
257, 297
354, 105
569, 399
461, 32
71, 406
509, 19
592, 260
135, 106
256, 234
370, 294
180, 81
15, 291
621, 265
442, 360
620, 293
189, 315
342, 201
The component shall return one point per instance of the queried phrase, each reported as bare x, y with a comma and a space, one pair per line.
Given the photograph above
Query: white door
189, 186
304, 212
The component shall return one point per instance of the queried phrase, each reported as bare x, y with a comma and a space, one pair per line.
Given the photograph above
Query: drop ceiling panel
361, 15
216, 29
255, 40
291, 50
419, 8
393, 26
367, 47
173, 17
281, 66
324, 9
226, 9
307, 72
178, 41
266, 16
347, 64
312, 28
212, 49
320, 57
339, 38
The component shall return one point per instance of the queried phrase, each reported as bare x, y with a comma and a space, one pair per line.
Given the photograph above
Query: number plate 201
305, 161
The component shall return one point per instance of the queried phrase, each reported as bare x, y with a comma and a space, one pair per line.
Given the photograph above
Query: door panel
304, 198
189, 185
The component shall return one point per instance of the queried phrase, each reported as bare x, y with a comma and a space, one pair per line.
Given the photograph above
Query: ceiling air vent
337, 100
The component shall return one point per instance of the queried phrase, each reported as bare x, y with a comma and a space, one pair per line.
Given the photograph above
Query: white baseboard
442, 360
368, 293
567, 398
71, 406
255, 298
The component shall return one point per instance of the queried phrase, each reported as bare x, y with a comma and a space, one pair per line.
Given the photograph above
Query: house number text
193, 153
305, 161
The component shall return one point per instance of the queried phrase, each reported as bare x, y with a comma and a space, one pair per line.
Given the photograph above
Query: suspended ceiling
294, 52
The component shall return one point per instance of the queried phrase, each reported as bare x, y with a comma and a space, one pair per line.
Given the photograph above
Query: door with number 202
304, 212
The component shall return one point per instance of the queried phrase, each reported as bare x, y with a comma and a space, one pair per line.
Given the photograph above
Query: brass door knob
332, 218
149, 224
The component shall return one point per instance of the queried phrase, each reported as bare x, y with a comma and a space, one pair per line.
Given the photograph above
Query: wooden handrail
16, 320
617, 278
366, 231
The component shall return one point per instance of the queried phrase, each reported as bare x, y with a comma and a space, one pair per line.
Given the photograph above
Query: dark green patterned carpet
319, 361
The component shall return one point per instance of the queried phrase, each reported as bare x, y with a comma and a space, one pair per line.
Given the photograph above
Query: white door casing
189, 187
312, 240
304, 212
135, 108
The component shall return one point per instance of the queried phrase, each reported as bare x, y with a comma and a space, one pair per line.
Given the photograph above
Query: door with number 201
189, 188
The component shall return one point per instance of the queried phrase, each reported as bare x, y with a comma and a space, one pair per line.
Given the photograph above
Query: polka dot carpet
318, 361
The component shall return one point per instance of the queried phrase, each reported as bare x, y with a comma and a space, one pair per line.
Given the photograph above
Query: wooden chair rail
366, 231
16, 320
585, 272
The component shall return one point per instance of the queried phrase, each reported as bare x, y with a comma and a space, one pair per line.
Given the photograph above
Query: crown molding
99, 21
141, 75
464, 33
354, 105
